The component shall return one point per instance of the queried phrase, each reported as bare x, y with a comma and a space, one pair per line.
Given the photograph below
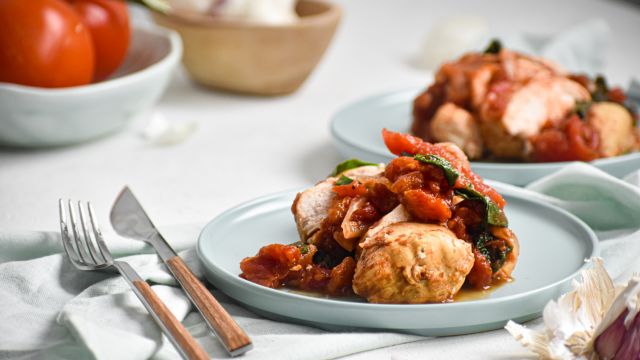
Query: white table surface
245, 147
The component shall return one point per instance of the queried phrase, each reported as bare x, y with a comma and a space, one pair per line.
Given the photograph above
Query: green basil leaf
601, 92
582, 108
494, 47
343, 180
304, 248
501, 257
495, 215
481, 244
350, 164
450, 173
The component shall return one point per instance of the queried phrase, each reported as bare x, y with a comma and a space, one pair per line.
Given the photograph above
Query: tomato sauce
328, 263
573, 140
278, 265
400, 144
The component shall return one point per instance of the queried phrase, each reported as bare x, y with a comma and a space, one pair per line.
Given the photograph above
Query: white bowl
40, 117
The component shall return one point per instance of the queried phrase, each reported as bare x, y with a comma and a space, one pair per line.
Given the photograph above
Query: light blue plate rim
407, 95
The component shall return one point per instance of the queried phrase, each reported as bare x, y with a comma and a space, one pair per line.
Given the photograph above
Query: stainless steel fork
79, 245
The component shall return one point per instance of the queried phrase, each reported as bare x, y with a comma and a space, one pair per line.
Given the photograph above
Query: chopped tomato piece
400, 144
354, 189
575, 141
425, 206
271, 266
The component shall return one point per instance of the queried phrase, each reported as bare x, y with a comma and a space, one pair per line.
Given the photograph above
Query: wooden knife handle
181, 336
234, 339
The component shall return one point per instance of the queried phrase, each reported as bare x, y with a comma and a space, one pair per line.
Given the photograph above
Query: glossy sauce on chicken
433, 184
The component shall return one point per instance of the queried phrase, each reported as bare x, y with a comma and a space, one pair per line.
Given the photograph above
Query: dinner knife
129, 219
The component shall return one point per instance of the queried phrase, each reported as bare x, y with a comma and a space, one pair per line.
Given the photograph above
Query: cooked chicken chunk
614, 125
501, 144
540, 101
521, 69
398, 214
454, 124
528, 110
311, 206
410, 262
352, 228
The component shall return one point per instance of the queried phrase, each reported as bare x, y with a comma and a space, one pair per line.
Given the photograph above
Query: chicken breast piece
501, 144
531, 106
454, 124
311, 206
398, 214
614, 125
352, 229
479, 82
526, 112
413, 263
523, 68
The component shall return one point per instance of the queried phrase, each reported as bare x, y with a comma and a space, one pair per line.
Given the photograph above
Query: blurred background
196, 136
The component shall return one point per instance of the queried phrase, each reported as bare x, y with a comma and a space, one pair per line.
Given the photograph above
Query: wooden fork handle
234, 339
181, 337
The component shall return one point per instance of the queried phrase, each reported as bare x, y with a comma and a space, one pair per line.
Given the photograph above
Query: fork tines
79, 241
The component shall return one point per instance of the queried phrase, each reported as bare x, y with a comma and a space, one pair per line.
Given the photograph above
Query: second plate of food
356, 133
553, 247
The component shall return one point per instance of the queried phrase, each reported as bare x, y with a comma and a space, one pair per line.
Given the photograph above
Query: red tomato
575, 141
108, 21
44, 43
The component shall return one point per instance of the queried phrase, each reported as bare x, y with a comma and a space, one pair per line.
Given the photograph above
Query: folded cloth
580, 48
48, 309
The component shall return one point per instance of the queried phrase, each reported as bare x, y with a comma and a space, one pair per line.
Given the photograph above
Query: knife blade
129, 219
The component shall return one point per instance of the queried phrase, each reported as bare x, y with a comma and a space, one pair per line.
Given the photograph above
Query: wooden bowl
255, 58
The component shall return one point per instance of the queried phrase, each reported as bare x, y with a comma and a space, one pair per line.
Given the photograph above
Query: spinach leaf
495, 256
581, 108
481, 244
494, 47
450, 173
601, 93
500, 258
350, 164
495, 216
343, 180
304, 248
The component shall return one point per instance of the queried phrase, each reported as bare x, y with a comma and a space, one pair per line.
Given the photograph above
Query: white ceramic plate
554, 245
356, 131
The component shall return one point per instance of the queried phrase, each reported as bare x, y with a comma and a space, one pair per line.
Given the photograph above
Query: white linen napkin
48, 309
580, 48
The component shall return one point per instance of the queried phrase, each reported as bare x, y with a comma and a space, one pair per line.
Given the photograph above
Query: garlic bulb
594, 321
274, 12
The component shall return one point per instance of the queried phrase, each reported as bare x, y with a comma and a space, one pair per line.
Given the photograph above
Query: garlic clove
630, 349
594, 321
608, 343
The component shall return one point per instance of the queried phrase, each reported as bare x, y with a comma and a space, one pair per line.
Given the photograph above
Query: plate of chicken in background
516, 117
419, 245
